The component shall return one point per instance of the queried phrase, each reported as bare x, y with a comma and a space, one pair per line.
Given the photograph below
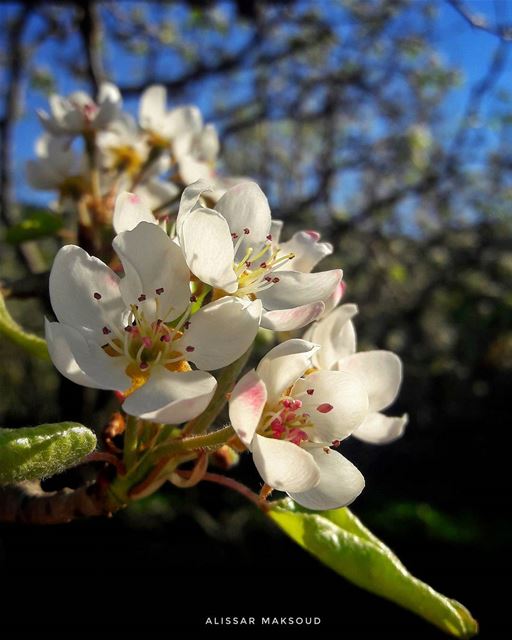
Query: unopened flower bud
225, 457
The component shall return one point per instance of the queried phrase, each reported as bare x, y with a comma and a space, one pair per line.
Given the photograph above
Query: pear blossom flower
194, 145
196, 152
231, 248
163, 126
78, 113
288, 417
308, 251
57, 167
379, 371
137, 334
122, 147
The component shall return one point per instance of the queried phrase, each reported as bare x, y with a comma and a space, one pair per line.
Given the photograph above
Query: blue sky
459, 45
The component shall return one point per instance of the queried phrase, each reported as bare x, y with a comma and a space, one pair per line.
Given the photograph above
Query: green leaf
31, 453
38, 224
12, 330
339, 540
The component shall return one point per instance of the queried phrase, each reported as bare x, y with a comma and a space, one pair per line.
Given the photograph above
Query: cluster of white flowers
191, 300
154, 157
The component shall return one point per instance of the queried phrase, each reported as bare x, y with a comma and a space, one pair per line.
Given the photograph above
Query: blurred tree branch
28, 252
504, 32
89, 24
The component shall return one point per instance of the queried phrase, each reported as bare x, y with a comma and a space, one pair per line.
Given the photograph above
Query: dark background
352, 120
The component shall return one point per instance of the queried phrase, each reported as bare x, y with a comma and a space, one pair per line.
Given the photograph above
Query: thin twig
230, 483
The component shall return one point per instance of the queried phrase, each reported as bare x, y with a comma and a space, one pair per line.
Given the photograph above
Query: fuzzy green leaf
339, 540
32, 453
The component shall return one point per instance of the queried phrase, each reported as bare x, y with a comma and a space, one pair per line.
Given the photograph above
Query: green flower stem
210, 440
130, 442
159, 460
35, 345
90, 148
166, 432
225, 384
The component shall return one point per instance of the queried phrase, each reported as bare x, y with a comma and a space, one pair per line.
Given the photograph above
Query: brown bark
27, 503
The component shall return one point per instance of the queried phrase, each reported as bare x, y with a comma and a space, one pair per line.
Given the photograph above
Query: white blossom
379, 371
57, 167
288, 417
137, 334
231, 248
78, 113
164, 126
122, 147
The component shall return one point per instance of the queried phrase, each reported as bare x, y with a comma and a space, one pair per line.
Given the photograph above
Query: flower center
147, 343
125, 158
256, 270
88, 108
286, 421
157, 140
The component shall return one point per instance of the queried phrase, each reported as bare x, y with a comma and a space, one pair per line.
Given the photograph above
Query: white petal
108, 92
58, 338
56, 151
172, 397
53, 126
295, 289
158, 193
153, 262
220, 332
380, 429
335, 334
123, 130
245, 206
191, 170
246, 405
291, 319
130, 209
75, 278
340, 483
276, 226
152, 107
337, 406
182, 120
220, 184
334, 299
284, 466
160, 165
82, 361
182, 145
206, 242
189, 200
208, 143
74, 120
60, 106
380, 372
109, 102
307, 250
285, 364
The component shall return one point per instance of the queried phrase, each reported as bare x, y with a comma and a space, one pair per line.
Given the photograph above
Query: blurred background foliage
352, 121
